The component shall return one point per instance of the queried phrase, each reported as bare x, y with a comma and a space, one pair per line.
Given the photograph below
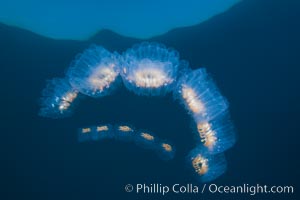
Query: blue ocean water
82, 19
251, 52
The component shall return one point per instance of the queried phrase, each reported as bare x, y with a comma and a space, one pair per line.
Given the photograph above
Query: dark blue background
253, 54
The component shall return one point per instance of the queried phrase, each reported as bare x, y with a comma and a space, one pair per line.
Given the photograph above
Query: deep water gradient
81, 19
